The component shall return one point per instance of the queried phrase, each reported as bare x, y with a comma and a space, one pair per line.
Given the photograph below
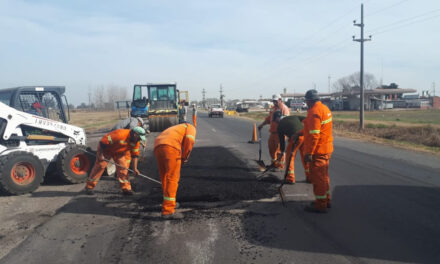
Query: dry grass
92, 120
410, 129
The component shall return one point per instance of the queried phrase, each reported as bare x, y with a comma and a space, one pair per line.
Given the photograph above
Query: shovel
260, 162
280, 189
267, 168
130, 170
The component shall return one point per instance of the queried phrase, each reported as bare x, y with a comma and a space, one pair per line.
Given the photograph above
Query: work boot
289, 182
313, 209
175, 216
329, 205
89, 191
177, 205
127, 192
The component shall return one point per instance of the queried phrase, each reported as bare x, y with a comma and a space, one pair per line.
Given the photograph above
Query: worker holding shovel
119, 145
172, 147
273, 142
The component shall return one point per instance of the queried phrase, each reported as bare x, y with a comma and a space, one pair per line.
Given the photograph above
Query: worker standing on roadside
121, 145
182, 112
318, 146
288, 127
274, 142
172, 147
194, 115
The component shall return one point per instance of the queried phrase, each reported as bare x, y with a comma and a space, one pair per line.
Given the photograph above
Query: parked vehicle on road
215, 110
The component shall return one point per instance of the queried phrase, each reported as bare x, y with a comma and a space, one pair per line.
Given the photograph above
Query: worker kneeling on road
121, 145
288, 127
273, 142
172, 147
318, 146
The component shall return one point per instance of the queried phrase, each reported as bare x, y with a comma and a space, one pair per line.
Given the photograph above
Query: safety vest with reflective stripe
180, 137
317, 130
118, 141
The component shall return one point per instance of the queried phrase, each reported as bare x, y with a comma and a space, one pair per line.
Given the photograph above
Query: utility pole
329, 84
433, 89
203, 100
361, 40
90, 99
221, 95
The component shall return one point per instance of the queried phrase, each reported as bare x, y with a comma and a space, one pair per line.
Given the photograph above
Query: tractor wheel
20, 172
74, 165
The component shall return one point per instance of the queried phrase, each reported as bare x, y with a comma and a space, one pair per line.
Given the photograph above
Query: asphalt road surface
386, 209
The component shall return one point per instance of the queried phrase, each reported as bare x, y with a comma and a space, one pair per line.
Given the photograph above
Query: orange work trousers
298, 146
121, 159
195, 120
169, 161
320, 179
274, 149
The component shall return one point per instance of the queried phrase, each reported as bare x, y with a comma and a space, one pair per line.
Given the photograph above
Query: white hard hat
276, 97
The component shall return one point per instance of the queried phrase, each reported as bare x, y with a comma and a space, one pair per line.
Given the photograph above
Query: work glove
280, 157
308, 158
260, 127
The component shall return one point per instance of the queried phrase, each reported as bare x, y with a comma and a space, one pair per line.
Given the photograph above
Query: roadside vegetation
410, 129
93, 121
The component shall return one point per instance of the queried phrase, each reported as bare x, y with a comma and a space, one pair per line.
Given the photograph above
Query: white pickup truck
215, 110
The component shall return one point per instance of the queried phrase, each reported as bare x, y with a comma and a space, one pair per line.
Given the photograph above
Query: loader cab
44, 101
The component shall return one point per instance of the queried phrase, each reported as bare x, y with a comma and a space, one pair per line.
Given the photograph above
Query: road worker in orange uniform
194, 115
122, 145
274, 142
172, 147
318, 146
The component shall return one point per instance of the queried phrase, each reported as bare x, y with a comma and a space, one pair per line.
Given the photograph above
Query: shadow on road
395, 223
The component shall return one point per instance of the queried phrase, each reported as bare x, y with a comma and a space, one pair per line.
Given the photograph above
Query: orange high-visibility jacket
317, 130
180, 137
118, 141
285, 111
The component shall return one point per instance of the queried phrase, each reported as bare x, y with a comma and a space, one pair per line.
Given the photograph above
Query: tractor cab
44, 101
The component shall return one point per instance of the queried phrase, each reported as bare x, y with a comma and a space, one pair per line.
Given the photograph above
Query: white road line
298, 194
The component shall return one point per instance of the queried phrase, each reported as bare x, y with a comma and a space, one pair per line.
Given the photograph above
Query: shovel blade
261, 165
282, 195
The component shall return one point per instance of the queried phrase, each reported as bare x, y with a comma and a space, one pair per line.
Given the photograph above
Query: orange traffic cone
254, 135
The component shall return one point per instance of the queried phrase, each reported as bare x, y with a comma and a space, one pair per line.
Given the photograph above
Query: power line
406, 19
386, 8
405, 25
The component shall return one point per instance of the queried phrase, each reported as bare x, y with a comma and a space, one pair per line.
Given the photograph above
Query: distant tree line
104, 97
352, 82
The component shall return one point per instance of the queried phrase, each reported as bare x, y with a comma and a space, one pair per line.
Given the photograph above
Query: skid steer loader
35, 140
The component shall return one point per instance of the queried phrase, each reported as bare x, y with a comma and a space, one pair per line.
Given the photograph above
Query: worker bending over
172, 147
274, 142
288, 127
318, 146
121, 145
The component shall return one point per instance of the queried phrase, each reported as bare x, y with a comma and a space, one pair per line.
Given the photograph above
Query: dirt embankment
427, 137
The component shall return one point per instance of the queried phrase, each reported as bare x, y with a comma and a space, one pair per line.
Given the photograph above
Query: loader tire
20, 172
74, 165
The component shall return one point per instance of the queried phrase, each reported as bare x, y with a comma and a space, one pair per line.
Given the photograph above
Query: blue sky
252, 48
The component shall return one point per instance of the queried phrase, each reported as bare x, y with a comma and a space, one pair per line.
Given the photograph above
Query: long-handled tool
260, 162
271, 166
130, 170
280, 189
